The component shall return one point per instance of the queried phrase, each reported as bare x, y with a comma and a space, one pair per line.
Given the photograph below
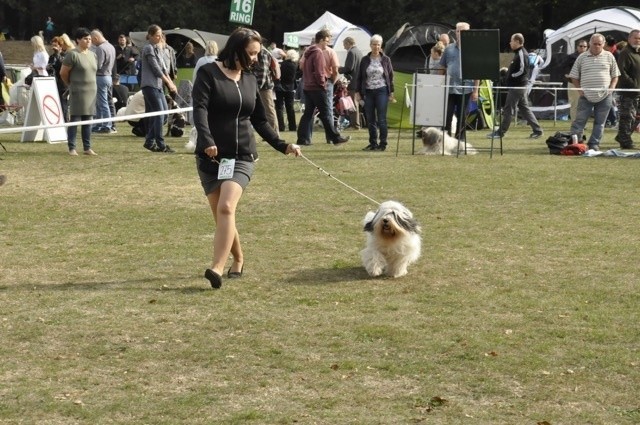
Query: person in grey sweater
350, 71
155, 74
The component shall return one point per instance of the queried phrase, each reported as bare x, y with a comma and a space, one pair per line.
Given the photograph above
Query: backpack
558, 142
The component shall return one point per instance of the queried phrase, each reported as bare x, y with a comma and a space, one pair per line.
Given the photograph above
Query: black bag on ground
558, 141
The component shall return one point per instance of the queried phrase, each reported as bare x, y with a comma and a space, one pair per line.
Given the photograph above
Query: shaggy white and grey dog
437, 142
393, 240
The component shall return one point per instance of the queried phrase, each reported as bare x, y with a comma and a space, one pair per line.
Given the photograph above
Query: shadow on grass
168, 283
185, 284
325, 276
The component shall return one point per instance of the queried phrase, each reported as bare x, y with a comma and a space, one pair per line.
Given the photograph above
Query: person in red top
315, 92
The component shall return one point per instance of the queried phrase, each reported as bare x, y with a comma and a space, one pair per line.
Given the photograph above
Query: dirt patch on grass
16, 52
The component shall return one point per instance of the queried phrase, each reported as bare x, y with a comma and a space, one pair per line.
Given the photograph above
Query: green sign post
292, 41
241, 12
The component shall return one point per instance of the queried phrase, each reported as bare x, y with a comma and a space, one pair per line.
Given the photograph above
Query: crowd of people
603, 80
602, 77
317, 79
370, 84
248, 87
313, 77
88, 74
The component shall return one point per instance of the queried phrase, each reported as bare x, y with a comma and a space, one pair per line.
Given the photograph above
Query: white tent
340, 29
620, 19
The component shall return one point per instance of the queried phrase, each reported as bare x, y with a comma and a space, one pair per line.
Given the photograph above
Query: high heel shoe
214, 278
235, 275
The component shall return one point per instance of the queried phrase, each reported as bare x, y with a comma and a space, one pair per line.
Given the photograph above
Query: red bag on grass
574, 149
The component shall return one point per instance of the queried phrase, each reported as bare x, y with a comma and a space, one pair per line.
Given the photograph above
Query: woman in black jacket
226, 110
285, 89
55, 63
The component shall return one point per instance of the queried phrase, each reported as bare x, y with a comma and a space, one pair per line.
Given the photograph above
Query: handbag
346, 104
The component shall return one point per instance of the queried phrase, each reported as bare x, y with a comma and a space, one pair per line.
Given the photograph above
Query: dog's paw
397, 270
398, 273
373, 268
375, 272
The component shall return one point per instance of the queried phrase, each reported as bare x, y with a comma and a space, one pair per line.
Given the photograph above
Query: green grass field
522, 310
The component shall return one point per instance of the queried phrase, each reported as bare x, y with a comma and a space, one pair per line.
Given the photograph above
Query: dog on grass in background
176, 121
438, 142
393, 240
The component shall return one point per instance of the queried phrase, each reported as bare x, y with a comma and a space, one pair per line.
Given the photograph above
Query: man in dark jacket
629, 65
315, 92
517, 79
350, 71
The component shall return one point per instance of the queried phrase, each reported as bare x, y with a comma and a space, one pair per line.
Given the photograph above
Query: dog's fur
433, 141
176, 121
193, 137
393, 240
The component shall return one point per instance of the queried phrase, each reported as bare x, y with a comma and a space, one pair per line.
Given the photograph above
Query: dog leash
338, 180
180, 98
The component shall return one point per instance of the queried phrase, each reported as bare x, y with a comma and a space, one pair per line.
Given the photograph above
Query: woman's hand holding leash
211, 151
293, 149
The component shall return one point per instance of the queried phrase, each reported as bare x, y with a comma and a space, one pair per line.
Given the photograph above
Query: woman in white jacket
40, 57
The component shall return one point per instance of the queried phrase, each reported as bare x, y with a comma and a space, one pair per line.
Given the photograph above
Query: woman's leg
370, 114
451, 108
153, 102
223, 203
280, 109
85, 131
72, 131
382, 103
306, 121
291, 114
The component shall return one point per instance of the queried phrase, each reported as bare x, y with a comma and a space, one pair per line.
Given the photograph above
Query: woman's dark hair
235, 49
81, 33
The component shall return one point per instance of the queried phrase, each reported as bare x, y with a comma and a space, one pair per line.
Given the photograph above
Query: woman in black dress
226, 110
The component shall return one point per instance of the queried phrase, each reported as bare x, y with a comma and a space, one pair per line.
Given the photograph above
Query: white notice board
429, 99
44, 109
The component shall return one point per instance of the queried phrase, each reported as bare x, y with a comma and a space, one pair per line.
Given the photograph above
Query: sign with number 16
241, 11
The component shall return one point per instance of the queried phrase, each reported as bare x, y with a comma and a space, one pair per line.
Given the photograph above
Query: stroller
342, 104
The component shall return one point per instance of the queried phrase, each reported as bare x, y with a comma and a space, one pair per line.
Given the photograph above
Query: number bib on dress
225, 170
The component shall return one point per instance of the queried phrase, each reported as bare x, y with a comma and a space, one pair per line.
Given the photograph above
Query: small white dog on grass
393, 240
433, 140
